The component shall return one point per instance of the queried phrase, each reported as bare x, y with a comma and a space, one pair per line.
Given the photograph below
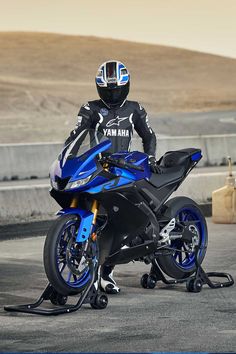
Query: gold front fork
74, 203
94, 210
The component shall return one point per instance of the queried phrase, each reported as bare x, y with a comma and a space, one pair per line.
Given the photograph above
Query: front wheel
181, 263
68, 263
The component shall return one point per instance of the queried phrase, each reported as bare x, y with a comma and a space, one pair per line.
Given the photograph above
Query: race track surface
163, 319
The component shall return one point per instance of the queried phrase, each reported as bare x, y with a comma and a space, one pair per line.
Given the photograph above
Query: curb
40, 228
24, 230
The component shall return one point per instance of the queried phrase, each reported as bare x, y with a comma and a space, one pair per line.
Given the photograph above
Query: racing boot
107, 283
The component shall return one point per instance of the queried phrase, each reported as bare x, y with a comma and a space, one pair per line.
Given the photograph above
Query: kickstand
89, 295
194, 283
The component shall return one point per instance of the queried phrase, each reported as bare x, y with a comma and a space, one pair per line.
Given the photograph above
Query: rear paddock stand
90, 295
194, 283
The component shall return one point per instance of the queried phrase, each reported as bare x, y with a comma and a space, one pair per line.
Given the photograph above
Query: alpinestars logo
116, 121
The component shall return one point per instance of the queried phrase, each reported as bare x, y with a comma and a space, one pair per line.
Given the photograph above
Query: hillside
44, 78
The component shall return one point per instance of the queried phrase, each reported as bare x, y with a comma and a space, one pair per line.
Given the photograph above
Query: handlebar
122, 163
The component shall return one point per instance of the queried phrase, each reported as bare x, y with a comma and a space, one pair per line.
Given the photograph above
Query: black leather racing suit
117, 124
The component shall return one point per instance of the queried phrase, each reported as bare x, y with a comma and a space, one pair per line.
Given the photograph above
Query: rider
115, 117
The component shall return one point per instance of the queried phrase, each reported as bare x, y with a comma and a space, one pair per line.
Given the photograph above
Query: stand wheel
194, 285
151, 282
143, 281
100, 302
58, 299
148, 281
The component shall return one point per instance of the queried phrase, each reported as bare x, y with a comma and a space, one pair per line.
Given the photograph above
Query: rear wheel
68, 263
181, 263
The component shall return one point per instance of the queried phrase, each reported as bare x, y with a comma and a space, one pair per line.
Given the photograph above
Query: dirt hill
44, 78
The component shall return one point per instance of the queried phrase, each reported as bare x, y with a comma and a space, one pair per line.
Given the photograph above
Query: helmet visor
113, 96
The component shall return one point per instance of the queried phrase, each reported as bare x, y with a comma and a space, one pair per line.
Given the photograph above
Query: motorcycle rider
115, 117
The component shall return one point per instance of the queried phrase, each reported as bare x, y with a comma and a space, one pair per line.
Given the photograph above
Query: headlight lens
78, 183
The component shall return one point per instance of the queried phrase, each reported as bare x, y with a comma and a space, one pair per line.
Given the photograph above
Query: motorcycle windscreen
79, 154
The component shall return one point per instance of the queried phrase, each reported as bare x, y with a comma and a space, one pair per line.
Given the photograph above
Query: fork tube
74, 203
94, 210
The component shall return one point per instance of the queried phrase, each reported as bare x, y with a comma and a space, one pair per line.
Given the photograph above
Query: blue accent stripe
197, 156
99, 80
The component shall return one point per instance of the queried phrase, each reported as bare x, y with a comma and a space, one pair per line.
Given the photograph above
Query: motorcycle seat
167, 176
178, 157
173, 165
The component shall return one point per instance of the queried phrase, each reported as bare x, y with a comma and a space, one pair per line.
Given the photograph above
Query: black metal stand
194, 283
89, 295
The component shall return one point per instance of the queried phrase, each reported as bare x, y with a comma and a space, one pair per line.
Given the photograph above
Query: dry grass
44, 78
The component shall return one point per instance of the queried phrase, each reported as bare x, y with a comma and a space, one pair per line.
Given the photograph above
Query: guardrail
22, 161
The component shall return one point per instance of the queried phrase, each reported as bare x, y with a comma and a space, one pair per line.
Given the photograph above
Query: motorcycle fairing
113, 183
124, 221
136, 158
72, 166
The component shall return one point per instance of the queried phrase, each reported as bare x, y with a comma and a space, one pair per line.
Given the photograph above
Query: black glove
153, 165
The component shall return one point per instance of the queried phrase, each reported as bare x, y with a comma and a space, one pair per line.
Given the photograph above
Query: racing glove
153, 165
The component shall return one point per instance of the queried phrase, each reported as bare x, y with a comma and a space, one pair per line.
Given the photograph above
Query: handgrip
123, 164
130, 165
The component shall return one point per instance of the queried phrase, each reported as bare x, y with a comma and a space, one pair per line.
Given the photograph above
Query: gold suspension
94, 210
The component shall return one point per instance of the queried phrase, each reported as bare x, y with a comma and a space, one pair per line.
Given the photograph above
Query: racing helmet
113, 81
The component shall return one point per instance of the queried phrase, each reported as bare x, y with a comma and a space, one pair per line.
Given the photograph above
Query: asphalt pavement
164, 319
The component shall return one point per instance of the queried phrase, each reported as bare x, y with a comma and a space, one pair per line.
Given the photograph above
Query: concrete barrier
34, 160
23, 202
215, 148
21, 161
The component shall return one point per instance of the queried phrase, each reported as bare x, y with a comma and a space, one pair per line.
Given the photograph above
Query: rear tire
168, 263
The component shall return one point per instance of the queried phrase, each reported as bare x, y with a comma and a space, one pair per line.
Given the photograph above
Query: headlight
78, 183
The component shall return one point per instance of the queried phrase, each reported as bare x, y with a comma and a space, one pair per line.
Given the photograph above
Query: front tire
63, 260
181, 265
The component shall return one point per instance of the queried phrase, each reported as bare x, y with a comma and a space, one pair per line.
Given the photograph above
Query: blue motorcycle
115, 210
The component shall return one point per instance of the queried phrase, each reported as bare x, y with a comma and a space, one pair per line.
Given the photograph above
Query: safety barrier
21, 161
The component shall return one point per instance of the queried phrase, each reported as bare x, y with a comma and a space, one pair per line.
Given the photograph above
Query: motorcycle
115, 210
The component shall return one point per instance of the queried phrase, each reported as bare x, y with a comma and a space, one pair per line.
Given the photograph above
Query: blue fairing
118, 182
136, 158
124, 176
79, 167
